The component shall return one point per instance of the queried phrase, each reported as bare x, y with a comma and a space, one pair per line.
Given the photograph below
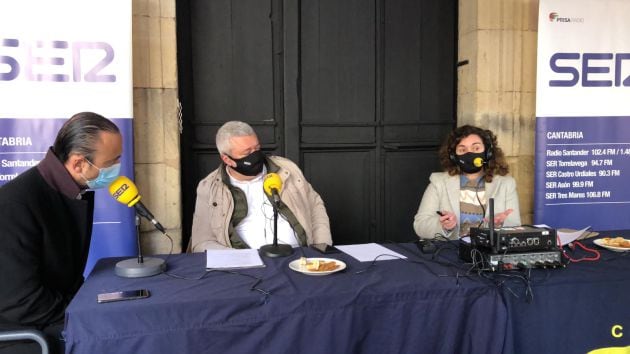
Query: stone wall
497, 88
156, 120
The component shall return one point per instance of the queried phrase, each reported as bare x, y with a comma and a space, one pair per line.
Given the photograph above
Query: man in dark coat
46, 224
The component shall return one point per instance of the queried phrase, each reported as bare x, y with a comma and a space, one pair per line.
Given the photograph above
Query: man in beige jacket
232, 210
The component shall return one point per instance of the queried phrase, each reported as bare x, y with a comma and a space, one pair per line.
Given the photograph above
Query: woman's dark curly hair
497, 163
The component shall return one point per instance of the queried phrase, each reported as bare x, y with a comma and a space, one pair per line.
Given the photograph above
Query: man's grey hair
230, 130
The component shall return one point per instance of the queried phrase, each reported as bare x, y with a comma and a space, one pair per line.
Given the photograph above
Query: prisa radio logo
71, 61
554, 17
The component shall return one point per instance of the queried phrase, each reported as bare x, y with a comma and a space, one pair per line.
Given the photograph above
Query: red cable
579, 244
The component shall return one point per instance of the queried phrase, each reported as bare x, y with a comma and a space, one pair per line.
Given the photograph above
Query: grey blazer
443, 194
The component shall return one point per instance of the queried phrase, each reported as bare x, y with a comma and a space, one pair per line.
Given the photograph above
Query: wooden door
359, 93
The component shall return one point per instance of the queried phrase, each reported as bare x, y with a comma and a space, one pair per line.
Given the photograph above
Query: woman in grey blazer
475, 170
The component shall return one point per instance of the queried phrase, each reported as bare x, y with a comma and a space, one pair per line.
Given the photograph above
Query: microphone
272, 186
125, 191
478, 162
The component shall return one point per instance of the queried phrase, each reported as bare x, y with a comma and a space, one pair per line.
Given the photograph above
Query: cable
478, 270
577, 244
483, 209
269, 219
502, 283
374, 262
424, 263
181, 277
253, 287
170, 251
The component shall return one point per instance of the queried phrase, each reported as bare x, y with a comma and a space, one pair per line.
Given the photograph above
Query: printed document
233, 259
369, 252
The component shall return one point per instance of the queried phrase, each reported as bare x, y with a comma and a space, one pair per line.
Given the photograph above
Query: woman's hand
499, 219
448, 220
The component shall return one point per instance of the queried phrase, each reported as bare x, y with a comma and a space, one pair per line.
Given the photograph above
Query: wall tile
528, 57
148, 126
140, 50
167, 8
467, 21
489, 70
467, 74
140, 7
168, 52
153, 8
155, 52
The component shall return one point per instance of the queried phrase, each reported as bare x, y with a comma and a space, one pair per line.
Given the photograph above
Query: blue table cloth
394, 306
573, 310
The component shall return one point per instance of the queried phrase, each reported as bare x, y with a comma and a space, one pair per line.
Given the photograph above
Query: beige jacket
214, 208
443, 194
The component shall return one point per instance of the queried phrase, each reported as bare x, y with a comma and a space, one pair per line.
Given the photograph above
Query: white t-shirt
256, 229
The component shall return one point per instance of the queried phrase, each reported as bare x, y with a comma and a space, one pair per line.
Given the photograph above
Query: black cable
170, 252
270, 220
374, 262
422, 262
253, 287
206, 272
181, 277
483, 209
525, 278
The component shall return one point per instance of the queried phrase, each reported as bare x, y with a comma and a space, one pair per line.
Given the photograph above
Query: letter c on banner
616, 331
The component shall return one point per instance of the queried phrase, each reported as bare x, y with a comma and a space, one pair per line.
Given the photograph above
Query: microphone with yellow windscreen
272, 186
125, 191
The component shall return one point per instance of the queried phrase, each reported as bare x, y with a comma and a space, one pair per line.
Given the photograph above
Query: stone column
497, 88
156, 120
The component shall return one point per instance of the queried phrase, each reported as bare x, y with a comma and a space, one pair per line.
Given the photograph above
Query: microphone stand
275, 250
140, 267
140, 258
494, 244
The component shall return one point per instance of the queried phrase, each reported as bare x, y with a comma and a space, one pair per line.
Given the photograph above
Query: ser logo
590, 69
120, 191
56, 61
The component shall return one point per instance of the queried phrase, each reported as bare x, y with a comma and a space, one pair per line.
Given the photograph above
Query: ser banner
58, 58
583, 114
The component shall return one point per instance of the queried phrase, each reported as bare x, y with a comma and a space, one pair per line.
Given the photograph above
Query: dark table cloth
394, 306
572, 310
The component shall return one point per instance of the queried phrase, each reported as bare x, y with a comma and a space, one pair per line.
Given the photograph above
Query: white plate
601, 243
295, 265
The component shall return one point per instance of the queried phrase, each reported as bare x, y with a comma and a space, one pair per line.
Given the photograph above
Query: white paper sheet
369, 252
568, 237
233, 259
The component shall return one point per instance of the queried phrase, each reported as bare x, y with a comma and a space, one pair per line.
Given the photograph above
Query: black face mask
467, 161
250, 165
